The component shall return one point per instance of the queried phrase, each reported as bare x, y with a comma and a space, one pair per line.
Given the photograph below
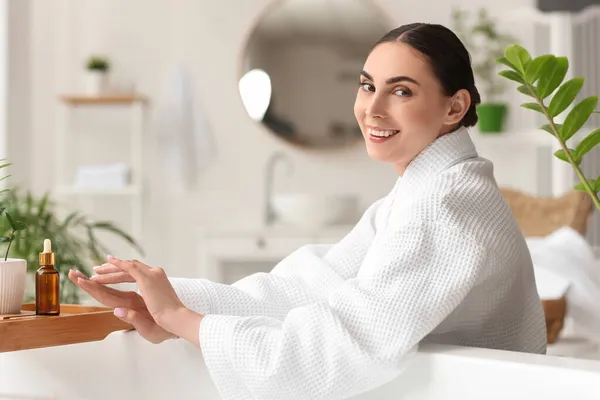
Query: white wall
145, 38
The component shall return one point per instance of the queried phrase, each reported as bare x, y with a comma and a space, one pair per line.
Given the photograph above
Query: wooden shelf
104, 99
75, 324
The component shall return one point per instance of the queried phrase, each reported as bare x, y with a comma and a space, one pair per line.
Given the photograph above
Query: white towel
566, 262
551, 286
186, 144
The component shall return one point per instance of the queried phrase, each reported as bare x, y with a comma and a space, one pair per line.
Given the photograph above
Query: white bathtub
124, 366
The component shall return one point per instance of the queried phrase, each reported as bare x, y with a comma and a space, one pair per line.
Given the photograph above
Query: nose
376, 107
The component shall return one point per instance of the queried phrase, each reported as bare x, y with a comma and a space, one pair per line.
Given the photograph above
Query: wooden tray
75, 324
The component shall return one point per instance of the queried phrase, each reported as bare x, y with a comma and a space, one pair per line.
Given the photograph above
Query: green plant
74, 237
15, 226
485, 44
98, 63
539, 78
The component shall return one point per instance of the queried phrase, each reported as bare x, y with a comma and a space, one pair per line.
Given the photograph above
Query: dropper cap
47, 257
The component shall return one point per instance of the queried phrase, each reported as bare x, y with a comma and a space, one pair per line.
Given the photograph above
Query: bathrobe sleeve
358, 338
305, 276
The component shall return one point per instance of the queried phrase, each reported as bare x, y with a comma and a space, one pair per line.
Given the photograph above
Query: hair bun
470, 119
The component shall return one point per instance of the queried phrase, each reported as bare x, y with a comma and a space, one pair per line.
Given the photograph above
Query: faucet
270, 215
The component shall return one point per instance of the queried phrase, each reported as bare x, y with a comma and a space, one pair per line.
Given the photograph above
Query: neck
400, 167
441, 154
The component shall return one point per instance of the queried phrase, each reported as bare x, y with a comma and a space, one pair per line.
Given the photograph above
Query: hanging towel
186, 144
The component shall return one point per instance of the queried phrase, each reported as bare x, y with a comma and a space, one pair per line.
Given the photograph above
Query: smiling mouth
381, 133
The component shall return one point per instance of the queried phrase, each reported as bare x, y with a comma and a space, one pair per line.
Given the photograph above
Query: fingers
112, 278
75, 274
107, 268
106, 295
134, 268
146, 327
107, 274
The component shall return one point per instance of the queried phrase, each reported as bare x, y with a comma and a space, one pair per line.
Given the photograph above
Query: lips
379, 135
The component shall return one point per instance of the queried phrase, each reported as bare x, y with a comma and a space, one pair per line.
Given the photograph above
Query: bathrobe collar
440, 155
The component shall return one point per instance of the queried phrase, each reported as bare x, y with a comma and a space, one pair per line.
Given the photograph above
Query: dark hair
448, 57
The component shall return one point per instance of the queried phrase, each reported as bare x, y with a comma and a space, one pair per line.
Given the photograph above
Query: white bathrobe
440, 259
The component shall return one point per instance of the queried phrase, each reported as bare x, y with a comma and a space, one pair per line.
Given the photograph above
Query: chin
379, 154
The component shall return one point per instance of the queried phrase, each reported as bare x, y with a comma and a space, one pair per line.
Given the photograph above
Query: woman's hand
129, 306
160, 298
108, 274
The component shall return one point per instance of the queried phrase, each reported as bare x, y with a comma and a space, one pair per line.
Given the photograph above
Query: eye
403, 92
367, 87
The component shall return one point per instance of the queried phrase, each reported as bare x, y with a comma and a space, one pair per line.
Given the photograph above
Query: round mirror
301, 68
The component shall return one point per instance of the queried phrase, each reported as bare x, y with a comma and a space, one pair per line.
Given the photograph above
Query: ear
458, 106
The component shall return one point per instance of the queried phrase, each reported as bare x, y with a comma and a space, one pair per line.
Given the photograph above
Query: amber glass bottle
47, 284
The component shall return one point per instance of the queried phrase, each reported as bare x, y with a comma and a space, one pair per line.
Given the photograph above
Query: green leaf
68, 220
533, 106
548, 128
552, 75
20, 225
561, 155
596, 185
526, 90
517, 56
535, 68
578, 116
588, 143
112, 228
512, 75
504, 60
579, 186
11, 221
565, 96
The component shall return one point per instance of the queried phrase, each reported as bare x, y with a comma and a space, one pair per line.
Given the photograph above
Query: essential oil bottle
47, 284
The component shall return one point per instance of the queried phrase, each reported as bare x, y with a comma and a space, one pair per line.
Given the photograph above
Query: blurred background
219, 136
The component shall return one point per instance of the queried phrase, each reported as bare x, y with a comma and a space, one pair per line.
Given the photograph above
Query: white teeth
381, 133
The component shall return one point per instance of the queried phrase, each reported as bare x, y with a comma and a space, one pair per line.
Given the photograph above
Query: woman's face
400, 105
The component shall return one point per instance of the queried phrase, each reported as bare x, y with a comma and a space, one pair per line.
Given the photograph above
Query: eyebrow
395, 79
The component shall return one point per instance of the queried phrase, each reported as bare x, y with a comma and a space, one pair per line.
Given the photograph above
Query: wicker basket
540, 216
555, 311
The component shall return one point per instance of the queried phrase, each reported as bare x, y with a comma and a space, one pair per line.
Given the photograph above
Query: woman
440, 259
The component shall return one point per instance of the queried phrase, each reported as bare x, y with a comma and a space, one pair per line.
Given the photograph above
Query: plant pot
95, 82
491, 117
13, 274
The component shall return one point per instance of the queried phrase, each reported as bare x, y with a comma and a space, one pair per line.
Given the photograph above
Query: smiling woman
412, 90
440, 259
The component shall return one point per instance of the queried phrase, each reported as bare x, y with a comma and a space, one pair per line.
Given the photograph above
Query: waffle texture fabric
440, 259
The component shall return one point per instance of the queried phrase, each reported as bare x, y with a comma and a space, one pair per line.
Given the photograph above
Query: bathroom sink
315, 210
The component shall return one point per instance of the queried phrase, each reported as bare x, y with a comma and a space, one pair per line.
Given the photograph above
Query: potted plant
96, 78
74, 237
13, 271
485, 44
541, 80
